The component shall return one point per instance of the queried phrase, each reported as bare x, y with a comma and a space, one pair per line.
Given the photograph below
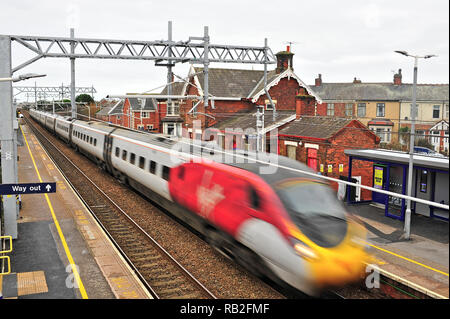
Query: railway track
164, 277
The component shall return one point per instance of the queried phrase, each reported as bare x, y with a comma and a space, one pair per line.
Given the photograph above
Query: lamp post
407, 227
22, 77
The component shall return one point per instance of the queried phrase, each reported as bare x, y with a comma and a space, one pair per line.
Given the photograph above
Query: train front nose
343, 265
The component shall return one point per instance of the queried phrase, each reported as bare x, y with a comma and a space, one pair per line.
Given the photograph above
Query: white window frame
330, 109
173, 109
436, 109
384, 109
348, 109
361, 106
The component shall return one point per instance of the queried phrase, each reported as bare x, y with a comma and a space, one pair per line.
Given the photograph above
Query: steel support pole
72, 76
8, 155
205, 69
265, 80
35, 95
407, 227
169, 67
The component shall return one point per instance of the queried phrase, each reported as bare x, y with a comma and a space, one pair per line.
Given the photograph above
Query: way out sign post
34, 188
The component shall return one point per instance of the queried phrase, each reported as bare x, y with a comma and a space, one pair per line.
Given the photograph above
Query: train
286, 225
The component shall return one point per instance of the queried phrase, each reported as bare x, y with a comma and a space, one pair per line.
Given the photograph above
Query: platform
61, 252
421, 262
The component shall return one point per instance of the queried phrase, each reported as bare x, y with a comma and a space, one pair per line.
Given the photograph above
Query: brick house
320, 141
384, 107
439, 136
111, 111
238, 91
141, 114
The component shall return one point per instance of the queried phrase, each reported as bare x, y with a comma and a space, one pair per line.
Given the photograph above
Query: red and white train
286, 225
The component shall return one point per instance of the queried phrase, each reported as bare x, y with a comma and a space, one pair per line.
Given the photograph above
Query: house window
361, 109
436, 109
436, 137
173, 109
380, 109
330, 109
269, 107
145, 114
173, 129
170, 128
380, 133
348, 109
446, 111
140, 127
150, 127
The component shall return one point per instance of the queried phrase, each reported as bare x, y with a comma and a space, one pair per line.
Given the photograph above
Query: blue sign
35, 188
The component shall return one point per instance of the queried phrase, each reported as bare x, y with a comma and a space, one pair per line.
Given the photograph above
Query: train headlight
303, 250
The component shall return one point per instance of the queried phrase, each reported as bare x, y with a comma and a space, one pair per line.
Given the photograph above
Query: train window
90, 140
152, 167
132, 158
181, 172
255, 201
165, 172
95, 142
141, 162
124, 155
117, 152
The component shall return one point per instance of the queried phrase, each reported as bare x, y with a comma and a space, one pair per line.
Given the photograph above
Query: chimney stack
284, 60
398, 77
319, 80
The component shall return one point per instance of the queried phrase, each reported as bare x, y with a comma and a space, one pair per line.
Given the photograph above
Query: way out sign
35, 188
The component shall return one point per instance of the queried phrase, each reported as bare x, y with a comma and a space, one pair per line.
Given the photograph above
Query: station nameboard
32, 188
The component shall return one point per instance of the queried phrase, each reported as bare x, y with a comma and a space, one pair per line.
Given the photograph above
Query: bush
84, 98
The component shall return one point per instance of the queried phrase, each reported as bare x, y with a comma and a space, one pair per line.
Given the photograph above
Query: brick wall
339, 109
331, 152
284, 93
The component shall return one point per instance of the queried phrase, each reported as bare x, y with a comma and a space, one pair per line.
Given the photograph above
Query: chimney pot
319, 80
398, 77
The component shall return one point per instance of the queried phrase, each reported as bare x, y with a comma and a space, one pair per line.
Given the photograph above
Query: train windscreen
315, 210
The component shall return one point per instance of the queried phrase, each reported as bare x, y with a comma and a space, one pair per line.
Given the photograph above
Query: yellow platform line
407, 259
60, 233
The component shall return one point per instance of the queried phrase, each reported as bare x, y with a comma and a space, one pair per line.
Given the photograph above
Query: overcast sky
339, 39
